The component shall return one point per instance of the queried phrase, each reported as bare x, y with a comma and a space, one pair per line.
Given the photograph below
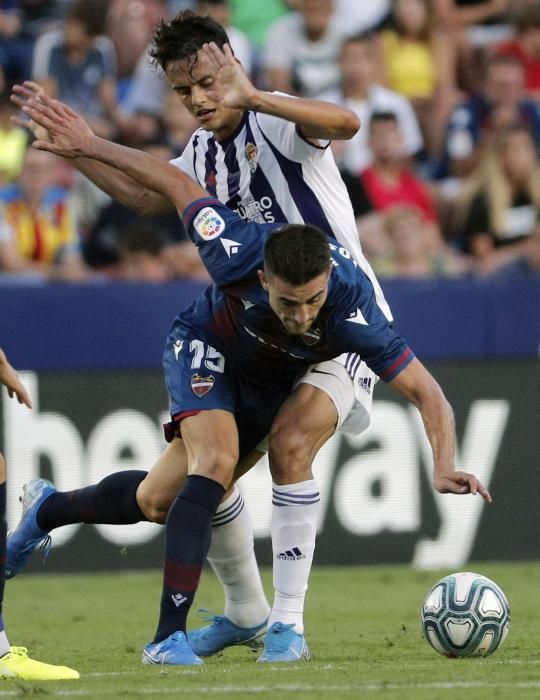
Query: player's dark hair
184, 36
296, 253
383, 117
92, 14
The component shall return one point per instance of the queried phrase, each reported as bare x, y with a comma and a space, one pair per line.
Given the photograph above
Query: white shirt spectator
357, 16
312, 64
356, 154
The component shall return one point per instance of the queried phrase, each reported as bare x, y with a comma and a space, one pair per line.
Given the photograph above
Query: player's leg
323, 400
14, 661
112, 500
211, 441
232, 557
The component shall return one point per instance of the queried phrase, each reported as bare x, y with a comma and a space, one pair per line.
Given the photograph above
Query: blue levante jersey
235, 316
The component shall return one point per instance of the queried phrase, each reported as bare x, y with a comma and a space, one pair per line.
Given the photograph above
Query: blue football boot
28, 536
282, 643
173, 651
222, 633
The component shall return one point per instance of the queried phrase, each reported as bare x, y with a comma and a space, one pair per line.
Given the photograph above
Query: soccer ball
465, 614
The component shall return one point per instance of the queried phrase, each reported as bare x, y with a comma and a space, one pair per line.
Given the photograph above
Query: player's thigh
160, 487
2, 468
212, 445
306, 420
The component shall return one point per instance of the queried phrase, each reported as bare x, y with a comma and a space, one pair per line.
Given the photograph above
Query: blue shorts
200, 378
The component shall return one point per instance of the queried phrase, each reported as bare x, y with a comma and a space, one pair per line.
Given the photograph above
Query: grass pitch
362, 626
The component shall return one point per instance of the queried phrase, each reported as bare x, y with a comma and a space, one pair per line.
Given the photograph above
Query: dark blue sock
3, 532
111, 501
187, 539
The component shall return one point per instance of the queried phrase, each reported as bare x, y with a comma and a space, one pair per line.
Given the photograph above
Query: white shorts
349, 383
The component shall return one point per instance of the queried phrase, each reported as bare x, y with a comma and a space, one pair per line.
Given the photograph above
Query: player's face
296, 306
194, 85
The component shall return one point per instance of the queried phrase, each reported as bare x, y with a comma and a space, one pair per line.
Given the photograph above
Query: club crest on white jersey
209, 224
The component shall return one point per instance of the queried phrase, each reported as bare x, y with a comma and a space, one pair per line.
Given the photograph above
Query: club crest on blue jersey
252, 153
202, 385
208, 224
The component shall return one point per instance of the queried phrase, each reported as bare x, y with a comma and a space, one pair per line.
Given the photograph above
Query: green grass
362, 626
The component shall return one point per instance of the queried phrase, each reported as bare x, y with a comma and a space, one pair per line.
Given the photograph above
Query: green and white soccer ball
465, 614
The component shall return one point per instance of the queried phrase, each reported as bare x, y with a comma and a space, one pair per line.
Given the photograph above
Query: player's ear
263, 279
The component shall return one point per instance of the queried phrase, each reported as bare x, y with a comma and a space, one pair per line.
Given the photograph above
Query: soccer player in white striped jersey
266, 156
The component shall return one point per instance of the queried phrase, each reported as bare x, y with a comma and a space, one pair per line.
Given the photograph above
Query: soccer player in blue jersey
284, 297
267, 156
14, 661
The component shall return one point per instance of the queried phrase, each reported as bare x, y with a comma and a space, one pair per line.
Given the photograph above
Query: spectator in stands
254, 18
130, 25
360, 17
525, 46
21, 22
415, 57
500, 211
527, 262
408, 253
140, 254
145, 257
360, 92
473, 25
38, 232
220, 10
502, 102
389, 182
302, 50
13, 140
78, 65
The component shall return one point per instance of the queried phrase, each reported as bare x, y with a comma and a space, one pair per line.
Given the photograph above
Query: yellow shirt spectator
409, 65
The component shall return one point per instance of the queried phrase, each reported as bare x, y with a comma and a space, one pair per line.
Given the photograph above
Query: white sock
4, 643
232, 556
294, 528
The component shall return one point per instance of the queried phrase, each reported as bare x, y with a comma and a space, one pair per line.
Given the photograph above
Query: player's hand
10, 379
19, 96
69, 133
460, 483
235, 89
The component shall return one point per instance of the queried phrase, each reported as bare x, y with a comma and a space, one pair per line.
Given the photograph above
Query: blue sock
111, 501
187, 539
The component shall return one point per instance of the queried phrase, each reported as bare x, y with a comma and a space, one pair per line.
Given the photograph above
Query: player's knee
290, 453
217, 464
154, 504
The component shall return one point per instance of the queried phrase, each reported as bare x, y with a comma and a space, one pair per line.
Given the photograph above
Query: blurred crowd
444, 174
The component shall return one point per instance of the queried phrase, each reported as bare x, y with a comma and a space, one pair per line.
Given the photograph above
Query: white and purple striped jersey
267, 172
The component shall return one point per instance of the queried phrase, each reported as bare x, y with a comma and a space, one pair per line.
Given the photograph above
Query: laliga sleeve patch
208, 224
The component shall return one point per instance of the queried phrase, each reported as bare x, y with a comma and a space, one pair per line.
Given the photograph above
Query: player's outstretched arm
108, 178
10, 379
73, 138
317, 120
421, 389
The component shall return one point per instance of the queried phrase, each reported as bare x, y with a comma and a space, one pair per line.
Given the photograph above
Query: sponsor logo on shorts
208, 224
202, 385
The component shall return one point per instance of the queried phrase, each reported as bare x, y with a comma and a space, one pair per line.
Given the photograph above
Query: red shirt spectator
406, 189
525, 47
